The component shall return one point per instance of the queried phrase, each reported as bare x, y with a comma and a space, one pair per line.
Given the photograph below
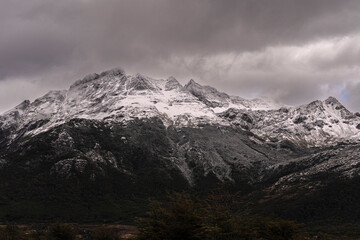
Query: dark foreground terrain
67, 232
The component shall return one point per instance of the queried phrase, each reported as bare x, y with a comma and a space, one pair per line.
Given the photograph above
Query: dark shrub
180, 219
62, 232
278, 230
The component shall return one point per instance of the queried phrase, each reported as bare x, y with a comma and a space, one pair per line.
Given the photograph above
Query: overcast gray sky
294, 51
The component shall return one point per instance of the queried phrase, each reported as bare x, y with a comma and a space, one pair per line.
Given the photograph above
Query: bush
62, 232
218, 217
179, 220
278, 230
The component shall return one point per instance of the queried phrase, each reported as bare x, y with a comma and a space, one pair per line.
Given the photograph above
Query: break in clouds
289, 50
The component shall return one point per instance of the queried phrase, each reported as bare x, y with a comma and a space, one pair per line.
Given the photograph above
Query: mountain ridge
114, 96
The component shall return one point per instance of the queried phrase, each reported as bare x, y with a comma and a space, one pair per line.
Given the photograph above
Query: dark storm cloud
245, 47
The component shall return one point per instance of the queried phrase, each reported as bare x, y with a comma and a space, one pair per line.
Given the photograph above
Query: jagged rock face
142, 157
341, 161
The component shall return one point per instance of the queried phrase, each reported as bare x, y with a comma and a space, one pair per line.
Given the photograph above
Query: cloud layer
293, 51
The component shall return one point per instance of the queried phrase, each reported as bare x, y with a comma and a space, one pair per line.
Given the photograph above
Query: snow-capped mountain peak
332, 100
172, 84
114, 96
209, 95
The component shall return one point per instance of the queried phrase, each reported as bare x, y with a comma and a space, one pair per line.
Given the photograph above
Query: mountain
112, 137
113, 96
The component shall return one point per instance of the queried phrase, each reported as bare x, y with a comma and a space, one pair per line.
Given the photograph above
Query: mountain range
113, 96
112, 137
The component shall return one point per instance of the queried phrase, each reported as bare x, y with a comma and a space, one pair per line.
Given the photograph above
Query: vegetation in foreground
213, 218
66, 232
181, 217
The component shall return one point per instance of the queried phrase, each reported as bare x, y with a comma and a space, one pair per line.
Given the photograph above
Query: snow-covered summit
114, 96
